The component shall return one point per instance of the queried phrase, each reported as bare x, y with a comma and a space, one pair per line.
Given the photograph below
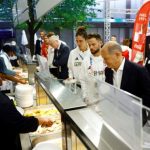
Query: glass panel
146, 131
122, 111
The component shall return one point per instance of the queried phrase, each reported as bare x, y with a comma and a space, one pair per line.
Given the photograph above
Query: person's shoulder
134, 66
74, 51
64, 46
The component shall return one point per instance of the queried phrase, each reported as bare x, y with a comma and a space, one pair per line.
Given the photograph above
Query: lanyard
91, 61
81, 57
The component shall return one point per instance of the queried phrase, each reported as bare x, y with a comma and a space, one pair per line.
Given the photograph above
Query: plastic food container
24, 95
46, 146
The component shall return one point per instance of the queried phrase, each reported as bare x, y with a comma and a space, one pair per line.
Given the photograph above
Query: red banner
139, 33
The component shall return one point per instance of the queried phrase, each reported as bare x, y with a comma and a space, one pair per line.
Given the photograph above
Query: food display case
117, 126
60, 96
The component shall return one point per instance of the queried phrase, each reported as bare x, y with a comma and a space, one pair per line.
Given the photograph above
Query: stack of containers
24, 95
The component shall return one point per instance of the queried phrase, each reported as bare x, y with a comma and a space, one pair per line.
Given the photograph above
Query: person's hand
17, 73
45, 122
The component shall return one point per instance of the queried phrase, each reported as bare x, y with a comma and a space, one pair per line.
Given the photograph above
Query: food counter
60, 95
84, 128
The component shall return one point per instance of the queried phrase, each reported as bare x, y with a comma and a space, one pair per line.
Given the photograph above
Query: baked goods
45, 111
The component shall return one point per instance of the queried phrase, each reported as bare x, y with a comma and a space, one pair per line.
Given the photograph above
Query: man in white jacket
92, 69
78, 54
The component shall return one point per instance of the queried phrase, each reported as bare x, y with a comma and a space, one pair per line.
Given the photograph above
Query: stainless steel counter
94, 132
61, 97
89, 127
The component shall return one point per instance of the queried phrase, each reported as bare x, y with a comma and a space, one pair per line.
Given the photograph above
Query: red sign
139, 33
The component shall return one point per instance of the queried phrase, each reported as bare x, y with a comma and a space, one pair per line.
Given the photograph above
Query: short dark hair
81, 31
7, 48
95, 35
113, 36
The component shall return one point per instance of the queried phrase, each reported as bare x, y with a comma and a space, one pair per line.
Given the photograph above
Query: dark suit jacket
12, 123
135, 80
60, 61
38, 47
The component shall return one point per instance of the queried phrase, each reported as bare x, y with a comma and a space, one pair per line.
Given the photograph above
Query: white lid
46, 146
23, 88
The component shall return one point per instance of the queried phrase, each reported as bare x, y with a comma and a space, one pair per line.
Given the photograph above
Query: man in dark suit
124, 74
61, 55
39, 43
13, 123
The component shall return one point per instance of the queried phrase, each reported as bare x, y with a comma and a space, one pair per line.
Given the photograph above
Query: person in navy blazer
61, 55
133, 78
38, 43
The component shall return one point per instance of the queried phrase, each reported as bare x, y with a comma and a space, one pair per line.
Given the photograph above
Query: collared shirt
117, 75
59, 44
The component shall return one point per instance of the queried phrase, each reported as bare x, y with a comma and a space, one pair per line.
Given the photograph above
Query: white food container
24, 95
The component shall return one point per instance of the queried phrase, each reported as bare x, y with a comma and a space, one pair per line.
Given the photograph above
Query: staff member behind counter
126, 75
12, 123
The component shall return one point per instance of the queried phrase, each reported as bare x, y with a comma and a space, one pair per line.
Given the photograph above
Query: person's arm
12, 120
3, 68
16, 78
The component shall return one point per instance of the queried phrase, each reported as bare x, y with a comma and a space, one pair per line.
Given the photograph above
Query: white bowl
46, 146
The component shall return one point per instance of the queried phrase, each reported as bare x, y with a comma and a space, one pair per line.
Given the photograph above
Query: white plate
20, 110
46, 146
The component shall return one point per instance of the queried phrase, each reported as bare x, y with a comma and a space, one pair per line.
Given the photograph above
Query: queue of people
86, 62
90, 60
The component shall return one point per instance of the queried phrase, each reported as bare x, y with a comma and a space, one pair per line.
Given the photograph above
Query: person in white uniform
92, 69
78, 54
7, 85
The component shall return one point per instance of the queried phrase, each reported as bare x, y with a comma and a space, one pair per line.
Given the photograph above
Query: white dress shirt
117, 75
50, 57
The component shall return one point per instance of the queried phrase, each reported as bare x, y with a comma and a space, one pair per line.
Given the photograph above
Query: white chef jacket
92, 69
6, 60
75, 60
6, 85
